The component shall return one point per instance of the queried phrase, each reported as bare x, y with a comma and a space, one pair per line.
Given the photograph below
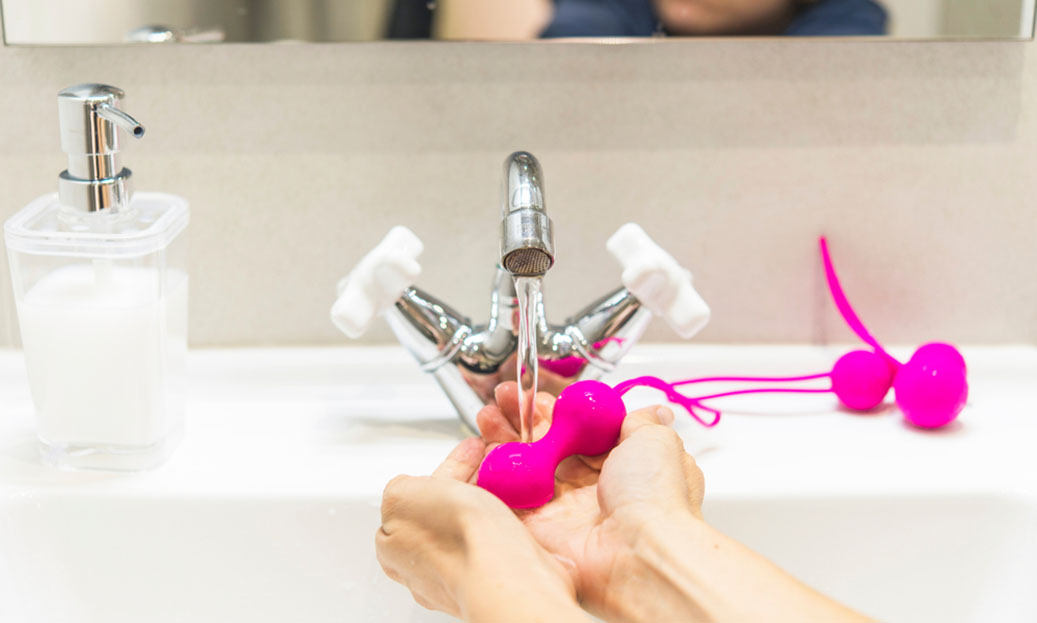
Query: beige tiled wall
917, 159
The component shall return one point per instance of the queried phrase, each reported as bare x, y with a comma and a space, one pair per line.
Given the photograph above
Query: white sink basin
900, 558
267, 512
256, 559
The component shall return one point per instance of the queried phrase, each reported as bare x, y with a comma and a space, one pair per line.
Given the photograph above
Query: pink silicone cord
689, 404
753, 379
764, 390
844, 307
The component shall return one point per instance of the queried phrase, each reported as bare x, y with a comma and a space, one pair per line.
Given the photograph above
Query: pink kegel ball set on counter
930, 389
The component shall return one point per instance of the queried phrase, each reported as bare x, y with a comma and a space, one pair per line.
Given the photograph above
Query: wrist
515, 581
689, 571
519, 597
653, 579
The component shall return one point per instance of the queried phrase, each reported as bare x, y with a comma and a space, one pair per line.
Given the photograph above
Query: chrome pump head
526, 244
90, 120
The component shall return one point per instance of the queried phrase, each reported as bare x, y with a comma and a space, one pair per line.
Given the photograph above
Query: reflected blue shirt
637, 18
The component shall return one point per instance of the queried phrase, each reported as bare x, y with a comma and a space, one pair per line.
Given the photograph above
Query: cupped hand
459, 549
603, 504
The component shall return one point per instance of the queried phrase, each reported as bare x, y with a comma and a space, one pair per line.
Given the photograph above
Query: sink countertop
340, 422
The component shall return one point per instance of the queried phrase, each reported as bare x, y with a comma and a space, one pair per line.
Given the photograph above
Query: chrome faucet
469, 361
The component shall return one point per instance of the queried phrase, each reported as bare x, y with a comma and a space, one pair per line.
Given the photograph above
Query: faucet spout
527, 243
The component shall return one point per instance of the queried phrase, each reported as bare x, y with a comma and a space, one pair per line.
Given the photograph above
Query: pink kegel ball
587, 419
519, 474
932, 388
861, 379
942, 352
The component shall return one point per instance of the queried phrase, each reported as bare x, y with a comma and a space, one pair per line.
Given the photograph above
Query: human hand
462, 551
602, 505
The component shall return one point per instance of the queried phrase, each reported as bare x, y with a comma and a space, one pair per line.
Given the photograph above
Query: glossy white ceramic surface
268, 509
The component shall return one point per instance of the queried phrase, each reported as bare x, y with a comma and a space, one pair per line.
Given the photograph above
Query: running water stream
527, 291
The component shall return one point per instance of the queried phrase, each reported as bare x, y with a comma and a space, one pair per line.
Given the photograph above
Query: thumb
649, 416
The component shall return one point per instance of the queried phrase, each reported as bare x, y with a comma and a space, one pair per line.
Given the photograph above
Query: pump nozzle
90, 117
121, 119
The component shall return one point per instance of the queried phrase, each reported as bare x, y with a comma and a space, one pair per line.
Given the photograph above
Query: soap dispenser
100, 284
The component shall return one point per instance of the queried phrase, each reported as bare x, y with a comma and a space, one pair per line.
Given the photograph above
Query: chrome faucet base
470, 361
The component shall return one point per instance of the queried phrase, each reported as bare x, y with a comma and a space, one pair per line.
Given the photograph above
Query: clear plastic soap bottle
100, 283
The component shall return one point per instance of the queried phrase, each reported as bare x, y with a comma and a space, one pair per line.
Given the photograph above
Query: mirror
105, 22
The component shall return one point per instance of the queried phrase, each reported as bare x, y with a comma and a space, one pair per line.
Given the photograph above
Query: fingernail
665, 415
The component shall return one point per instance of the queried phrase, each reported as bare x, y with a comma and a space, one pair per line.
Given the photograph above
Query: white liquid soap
105, 356
100, 283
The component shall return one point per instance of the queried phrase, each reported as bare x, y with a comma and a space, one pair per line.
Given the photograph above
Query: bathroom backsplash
917, 161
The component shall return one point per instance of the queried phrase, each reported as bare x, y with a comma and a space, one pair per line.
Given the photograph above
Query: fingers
432, 525
578, 471
649, 472
506, 395
436, 502
696, 484
397, 500
650, 416
462, 461
594, 462
407, 552
634, 421
430, 501
543, 409
494, 426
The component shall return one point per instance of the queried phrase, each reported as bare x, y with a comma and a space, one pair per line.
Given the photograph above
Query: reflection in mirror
86, 22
